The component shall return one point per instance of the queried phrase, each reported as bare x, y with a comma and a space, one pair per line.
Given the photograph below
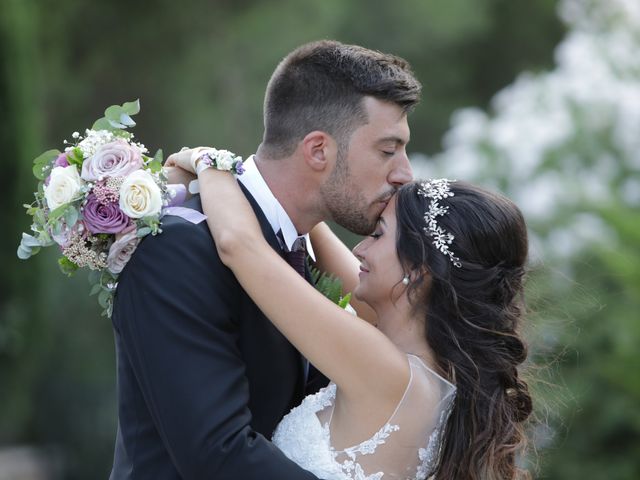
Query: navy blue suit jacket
203, 376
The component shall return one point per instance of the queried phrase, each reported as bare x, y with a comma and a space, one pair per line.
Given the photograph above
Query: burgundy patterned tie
296, 257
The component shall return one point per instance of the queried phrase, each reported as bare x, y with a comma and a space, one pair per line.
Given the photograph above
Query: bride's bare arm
333, 257
355, 355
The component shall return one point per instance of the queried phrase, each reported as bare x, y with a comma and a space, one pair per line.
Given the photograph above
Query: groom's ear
319, 150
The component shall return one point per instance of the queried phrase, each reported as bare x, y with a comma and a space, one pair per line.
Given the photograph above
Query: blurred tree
565, 145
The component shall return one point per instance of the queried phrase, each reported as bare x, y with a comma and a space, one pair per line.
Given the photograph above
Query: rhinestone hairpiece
437, 190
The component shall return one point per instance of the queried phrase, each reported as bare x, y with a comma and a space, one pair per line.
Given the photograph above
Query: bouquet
97, 199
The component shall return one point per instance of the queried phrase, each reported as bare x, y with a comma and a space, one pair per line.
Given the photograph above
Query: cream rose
140, 196
64, 185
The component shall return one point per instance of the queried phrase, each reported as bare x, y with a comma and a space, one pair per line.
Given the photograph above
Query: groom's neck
295, 193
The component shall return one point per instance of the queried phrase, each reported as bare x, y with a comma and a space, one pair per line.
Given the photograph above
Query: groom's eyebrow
394, 139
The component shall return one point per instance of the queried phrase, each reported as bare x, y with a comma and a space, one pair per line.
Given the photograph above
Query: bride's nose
359, 249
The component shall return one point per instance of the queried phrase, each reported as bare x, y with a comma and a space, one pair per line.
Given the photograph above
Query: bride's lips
363, 270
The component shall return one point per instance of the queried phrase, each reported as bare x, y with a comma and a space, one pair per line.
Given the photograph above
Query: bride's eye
376, 235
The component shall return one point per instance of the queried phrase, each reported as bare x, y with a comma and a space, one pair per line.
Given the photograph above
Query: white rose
140, 196
224, 160
64, 185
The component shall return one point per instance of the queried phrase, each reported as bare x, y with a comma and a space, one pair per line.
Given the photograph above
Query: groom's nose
401, 172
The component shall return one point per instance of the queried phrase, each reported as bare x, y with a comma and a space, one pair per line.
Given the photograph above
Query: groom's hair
321, 86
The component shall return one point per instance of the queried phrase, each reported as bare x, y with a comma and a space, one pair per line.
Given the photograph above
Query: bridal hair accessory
98, 198
203, 158
437, 190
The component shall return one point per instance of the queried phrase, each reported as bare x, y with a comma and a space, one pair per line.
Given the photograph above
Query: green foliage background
200, 69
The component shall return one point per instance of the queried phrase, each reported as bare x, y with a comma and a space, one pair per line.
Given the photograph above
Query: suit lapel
272, 239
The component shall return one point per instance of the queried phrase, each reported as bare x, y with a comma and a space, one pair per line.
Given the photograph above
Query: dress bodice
407, 446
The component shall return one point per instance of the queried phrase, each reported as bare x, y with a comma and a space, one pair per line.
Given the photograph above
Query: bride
424, 384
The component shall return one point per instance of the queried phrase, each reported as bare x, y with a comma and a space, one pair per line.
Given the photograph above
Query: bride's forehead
389, 212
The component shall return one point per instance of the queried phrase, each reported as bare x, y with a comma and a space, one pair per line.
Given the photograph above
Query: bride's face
380, 268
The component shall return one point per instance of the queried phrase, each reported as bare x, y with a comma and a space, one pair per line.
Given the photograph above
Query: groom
203, 376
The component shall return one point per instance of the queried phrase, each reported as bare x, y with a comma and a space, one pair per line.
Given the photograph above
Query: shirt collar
276, 215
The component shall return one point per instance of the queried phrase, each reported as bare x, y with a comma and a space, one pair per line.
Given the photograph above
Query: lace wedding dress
407, 446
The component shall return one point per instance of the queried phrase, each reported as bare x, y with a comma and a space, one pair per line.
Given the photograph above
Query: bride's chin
357, 293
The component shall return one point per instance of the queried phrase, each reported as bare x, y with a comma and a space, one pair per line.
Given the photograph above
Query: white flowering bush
565, 143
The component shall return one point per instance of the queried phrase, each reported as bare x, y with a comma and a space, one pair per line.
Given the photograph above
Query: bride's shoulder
427, 383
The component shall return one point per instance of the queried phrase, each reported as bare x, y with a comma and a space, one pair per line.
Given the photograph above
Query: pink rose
121, 250
115, 159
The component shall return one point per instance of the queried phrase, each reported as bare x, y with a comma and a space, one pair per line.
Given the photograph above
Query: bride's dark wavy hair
472, 319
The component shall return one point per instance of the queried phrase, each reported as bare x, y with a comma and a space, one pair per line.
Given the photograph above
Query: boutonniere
331, 287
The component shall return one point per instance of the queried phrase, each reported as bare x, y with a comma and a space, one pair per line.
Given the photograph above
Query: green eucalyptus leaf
116, 125
107, 277
155, 165
58, 213
143, 232
94, 276
102, 124
24, 252
131, 108
103, 298
56, 228
39, 217
27, 251
43, 163
95, 289
127, 120
71, 216
30, 240
114, 112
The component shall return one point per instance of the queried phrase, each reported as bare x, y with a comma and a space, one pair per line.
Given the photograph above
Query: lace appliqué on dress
350, 466
313, 450
430, 456
408, 446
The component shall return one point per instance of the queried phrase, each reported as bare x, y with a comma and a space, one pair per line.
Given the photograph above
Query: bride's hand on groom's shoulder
179, 166
183, 159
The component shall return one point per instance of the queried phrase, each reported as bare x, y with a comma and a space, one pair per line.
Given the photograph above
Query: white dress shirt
271, 207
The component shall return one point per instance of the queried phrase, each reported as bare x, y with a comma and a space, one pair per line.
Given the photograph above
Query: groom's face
372, 169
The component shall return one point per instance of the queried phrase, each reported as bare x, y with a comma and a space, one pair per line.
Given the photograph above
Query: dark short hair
321, 85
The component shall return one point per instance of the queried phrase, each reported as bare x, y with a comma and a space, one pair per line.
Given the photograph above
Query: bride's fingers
180, 159
176, 174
